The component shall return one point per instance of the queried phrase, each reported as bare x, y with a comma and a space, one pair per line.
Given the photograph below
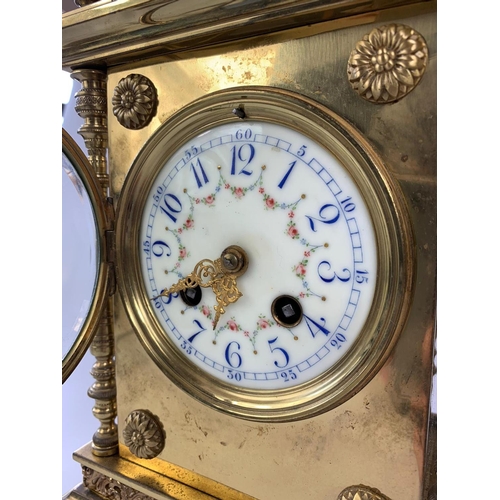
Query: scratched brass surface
378, 437
118, 478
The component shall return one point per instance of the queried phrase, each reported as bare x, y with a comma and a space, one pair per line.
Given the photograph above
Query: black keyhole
191, 296
287, 311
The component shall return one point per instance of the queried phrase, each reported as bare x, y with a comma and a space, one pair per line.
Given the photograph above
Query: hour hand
190, 281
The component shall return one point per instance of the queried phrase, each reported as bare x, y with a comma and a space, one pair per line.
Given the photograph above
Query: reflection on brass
387, 63
221, 274
125, 32
107, 487
91, 106
361, 492
143, 434
83, 3
134, 101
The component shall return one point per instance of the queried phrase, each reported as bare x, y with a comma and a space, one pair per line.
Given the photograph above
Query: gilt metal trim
144, 434
134, 101
387, 63
109, 488
361, 492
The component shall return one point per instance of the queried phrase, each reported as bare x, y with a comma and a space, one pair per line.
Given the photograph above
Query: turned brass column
91, 106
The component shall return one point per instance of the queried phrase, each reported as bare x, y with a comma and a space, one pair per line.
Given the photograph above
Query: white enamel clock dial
287, 184
307, 233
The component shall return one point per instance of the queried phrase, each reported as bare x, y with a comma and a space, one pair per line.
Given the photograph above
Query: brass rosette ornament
134, 101
144, 434
387, 63
361, 492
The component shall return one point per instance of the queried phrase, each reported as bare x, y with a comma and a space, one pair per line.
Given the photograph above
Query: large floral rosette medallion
387, 63
134, 101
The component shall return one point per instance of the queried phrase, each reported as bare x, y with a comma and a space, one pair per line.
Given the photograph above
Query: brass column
92, 107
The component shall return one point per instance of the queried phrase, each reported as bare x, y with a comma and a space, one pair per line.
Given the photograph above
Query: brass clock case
85, 180
395, 248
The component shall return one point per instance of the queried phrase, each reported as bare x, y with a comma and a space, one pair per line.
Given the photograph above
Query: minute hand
226, 292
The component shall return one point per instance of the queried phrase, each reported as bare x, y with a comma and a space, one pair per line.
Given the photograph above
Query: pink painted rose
182, 253
300, 269
292, 231
189, 223
270, 202
302, 295
205, 310
226, 186
261, 190
307, 253
238, 192
209, 200
197, 201
291, 214
263, 323
232, 325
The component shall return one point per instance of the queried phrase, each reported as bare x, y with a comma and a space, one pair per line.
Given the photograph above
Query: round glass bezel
93, 190
395, 261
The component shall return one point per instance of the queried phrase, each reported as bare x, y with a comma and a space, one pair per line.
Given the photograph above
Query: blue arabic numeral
201, 329
319, 328
170, 209
285, 354
344, 278
361, 276
347, 204
287, 376
160, 248
204, 177
232, 357
282, 183
334, 217
245, 154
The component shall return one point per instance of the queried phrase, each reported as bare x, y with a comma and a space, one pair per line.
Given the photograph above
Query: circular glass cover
79, 259
84, 264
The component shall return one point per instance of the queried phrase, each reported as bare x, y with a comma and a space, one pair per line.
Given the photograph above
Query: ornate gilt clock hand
205, 268
221, 274
226, 292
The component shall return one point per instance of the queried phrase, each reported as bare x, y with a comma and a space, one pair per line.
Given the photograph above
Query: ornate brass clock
272, 168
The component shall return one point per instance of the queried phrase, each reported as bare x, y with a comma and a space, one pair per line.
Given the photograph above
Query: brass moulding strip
91, 36
187, 477
125, 479
91, 105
